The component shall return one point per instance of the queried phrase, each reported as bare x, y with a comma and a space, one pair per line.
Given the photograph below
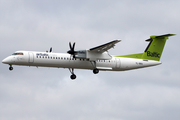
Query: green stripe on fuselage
137, 56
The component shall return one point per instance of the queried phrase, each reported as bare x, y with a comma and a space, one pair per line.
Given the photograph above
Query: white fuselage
63, 60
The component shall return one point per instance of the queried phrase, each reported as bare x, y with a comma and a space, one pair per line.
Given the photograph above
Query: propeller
71, 51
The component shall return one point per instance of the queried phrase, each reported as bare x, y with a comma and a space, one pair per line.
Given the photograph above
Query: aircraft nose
6, 60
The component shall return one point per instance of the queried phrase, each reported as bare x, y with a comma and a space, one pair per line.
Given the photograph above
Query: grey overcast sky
29, 93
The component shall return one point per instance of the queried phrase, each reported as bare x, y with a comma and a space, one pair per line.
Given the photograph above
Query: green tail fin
155, 48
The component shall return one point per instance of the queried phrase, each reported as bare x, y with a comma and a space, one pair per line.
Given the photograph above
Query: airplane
95, 59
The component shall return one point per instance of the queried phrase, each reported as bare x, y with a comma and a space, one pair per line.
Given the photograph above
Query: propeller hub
71, 52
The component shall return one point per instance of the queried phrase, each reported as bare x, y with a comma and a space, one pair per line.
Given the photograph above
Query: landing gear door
31, 57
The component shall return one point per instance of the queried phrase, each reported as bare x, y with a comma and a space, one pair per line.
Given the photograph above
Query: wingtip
172, 34
168, 35
118, 40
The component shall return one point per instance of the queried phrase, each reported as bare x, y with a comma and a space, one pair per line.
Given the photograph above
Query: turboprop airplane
95, 59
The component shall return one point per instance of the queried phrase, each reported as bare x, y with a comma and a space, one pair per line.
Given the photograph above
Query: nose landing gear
10, 68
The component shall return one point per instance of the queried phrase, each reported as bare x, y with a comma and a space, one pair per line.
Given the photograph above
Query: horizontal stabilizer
159, 36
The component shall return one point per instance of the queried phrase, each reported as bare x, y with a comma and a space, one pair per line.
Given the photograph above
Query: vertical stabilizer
155, 48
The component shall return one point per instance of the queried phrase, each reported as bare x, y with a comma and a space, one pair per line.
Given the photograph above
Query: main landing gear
10, 68
73, 76
95, 71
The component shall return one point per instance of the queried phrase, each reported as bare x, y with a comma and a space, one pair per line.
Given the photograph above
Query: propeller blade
70, 46
50, 49
74, 46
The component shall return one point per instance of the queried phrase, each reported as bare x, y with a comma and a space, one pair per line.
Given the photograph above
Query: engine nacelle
92, 56
81, 54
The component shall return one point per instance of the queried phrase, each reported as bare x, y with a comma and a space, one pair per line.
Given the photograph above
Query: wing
104, 47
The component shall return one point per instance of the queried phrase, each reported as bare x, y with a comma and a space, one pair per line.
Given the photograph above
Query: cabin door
31, 57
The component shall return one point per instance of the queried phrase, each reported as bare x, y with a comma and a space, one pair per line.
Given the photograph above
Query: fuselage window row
60, 58
66, 58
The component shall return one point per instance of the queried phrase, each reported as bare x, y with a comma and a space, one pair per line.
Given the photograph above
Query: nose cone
6, 60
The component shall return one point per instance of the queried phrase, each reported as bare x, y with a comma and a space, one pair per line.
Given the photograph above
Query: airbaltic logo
153, 54
40, 54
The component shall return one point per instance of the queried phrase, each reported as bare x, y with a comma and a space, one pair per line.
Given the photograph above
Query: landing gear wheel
10, 68
96, 71
73, 76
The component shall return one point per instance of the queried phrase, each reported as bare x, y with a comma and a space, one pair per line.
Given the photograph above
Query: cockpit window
17, 54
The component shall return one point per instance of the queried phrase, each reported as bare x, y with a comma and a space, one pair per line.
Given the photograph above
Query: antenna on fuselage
50, 49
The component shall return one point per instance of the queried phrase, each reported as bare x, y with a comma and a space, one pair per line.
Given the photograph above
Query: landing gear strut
10, 68
73, 76
95, 71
